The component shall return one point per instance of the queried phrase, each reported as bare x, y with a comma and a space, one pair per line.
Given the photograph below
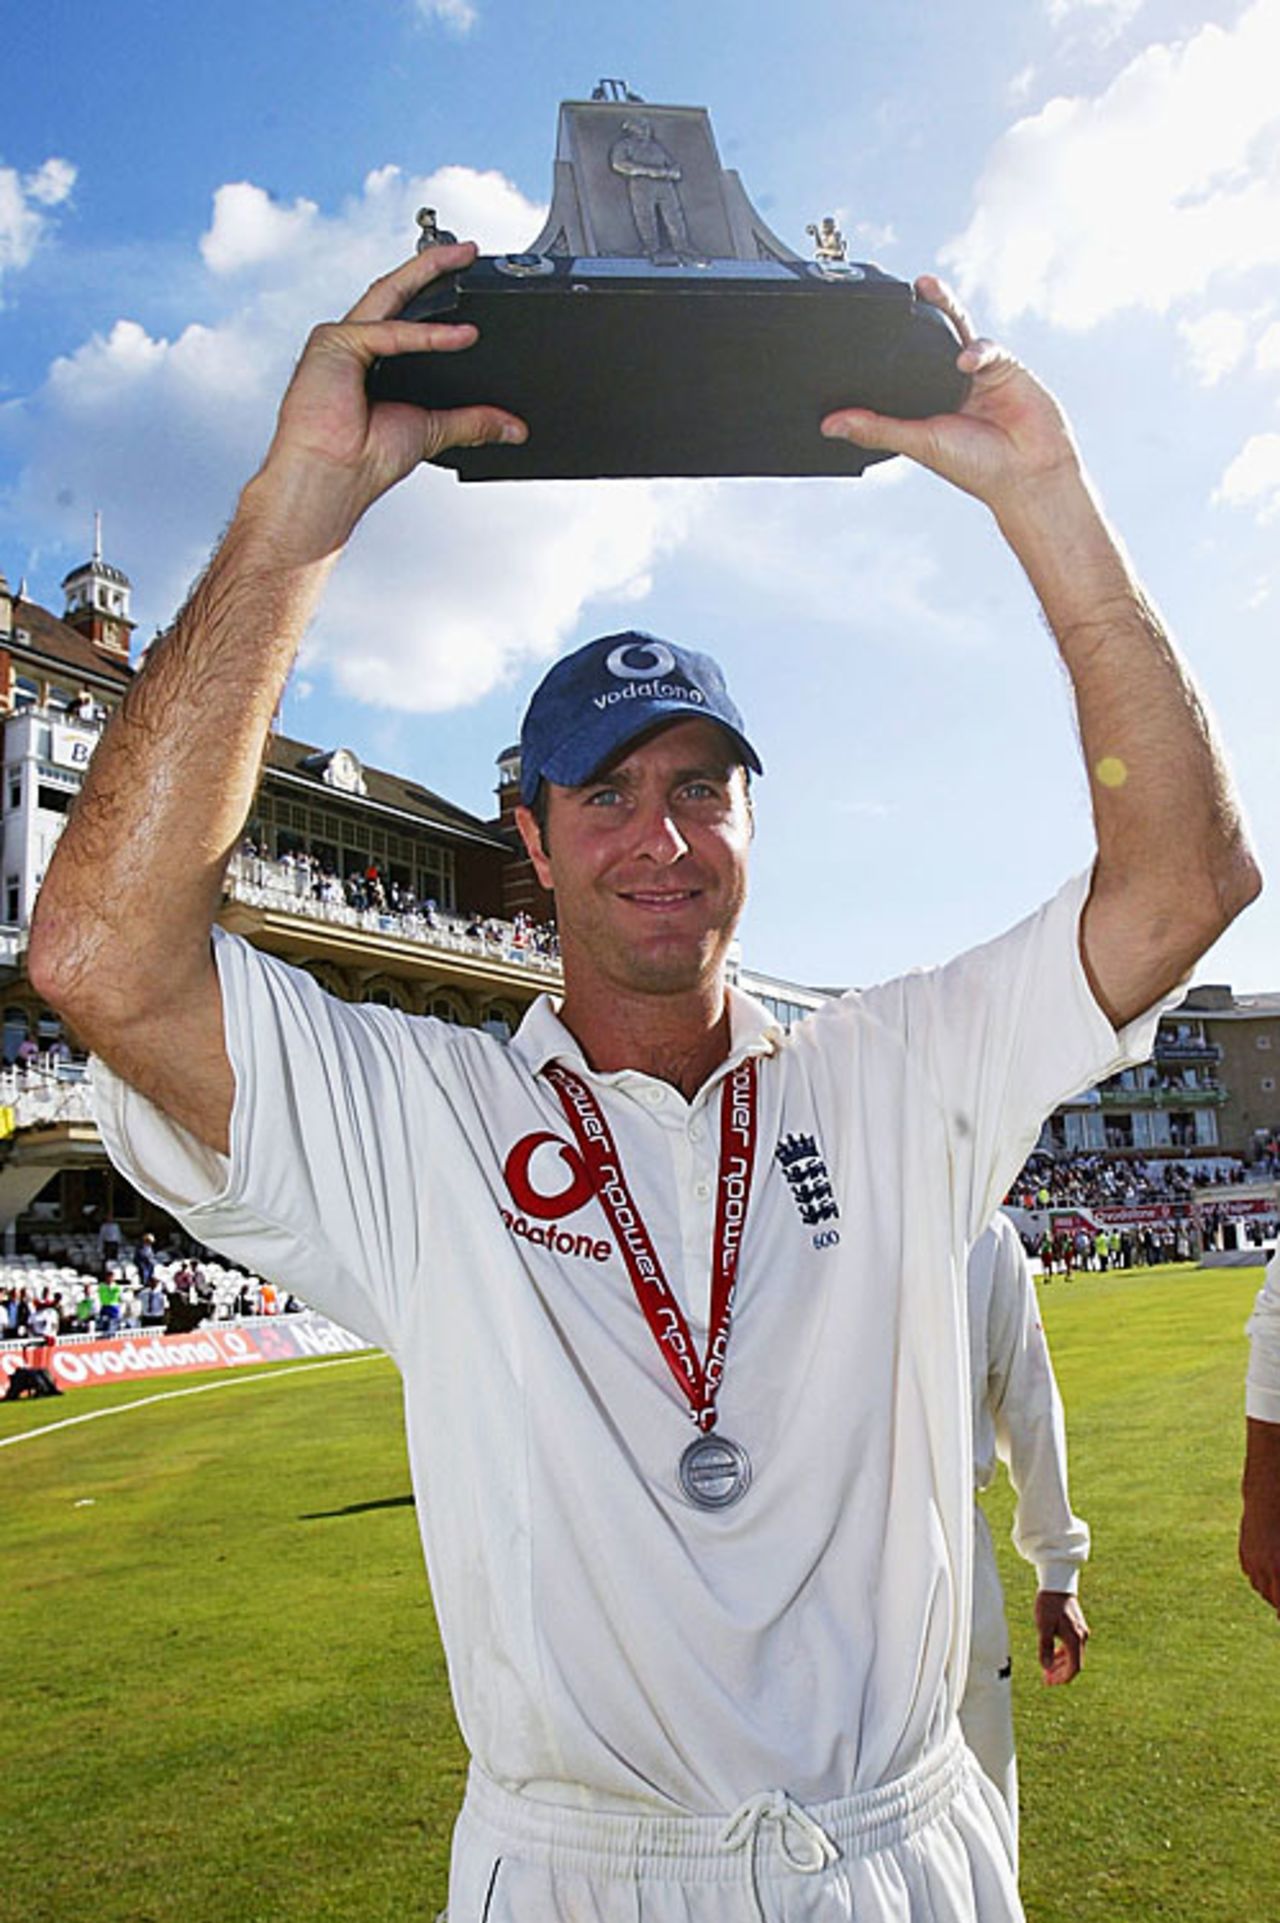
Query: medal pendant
714, 1472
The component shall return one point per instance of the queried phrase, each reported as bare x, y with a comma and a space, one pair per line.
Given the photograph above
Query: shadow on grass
357, 1508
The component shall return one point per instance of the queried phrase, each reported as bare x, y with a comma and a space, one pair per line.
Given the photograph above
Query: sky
183, 195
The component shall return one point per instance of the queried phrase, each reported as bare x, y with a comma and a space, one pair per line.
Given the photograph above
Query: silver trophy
658, 326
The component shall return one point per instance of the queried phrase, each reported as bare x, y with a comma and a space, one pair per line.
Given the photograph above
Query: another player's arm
120, 942
1260, 1485
1173, 866
1031, 1441
1260, 1517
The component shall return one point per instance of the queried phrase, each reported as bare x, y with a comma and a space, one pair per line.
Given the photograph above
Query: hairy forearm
134, 885
1170, 835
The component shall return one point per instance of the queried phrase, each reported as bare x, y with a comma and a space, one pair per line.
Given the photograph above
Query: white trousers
930, 1847
986, 1713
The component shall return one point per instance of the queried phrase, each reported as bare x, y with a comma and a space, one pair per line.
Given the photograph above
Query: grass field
226, 1701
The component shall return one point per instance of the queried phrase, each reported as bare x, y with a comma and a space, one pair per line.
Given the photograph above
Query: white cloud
446, 588
23, 199
1266, 355
1217, 343
249, 227
514, 568
51, 184
1110, 17
873, 236
1253, 478
1140, 196
459, 16
819, 556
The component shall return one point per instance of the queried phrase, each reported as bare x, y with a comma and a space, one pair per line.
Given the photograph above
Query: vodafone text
651, 690
558, 1240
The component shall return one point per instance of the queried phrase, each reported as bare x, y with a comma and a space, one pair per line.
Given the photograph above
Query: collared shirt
608, 1642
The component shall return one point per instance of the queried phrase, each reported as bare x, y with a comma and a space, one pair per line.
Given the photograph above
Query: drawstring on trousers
803, 1844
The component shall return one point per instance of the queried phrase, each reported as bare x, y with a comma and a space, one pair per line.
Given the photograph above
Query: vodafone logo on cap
553, 1197
654, 657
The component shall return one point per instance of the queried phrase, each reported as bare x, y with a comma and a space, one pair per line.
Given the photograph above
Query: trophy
657, 326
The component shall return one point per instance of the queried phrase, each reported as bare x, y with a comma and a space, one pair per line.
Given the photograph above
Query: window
15, 1031
12, 900
26, 694
1262, 1041
1268, 1084
15, 789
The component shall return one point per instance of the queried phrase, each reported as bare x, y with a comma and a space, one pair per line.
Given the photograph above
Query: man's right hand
120, 941
334, 452
1061, 1634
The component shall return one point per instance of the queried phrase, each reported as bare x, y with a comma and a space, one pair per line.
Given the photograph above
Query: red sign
215, 1345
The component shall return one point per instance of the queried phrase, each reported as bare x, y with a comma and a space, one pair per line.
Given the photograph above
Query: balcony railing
1169, 1048
42, 1095
1210, 1096
288, 889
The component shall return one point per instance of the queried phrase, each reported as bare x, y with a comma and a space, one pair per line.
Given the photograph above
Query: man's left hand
1063, 1633
1009, 434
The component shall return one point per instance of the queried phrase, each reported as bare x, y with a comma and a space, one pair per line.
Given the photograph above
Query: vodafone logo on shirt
560, 1200
547, 1179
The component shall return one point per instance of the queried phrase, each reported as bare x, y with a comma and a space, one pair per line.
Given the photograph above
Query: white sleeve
1030, 1429
326, 1144
1262, 1386
1004, 1033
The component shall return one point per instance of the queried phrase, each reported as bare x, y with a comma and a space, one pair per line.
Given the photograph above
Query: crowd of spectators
1191, 1222
1103, 1181
370, 891
131, 1288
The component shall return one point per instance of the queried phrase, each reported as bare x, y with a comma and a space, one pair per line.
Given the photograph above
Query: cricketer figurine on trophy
657, 326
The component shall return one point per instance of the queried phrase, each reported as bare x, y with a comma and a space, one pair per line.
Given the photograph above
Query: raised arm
120, 942
1173, 864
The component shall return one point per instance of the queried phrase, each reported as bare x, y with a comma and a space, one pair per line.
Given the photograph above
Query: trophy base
623, 368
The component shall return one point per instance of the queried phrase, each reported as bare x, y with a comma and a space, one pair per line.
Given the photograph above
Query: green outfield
226, 1703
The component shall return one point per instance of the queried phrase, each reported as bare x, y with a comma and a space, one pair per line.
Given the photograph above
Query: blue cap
593, 702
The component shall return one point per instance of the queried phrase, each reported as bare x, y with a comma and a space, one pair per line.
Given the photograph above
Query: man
1260, 1521
110, 1302
1017, 1415
719, 1662
110, 1241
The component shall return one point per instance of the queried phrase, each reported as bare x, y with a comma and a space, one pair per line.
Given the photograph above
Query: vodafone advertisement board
215, 1345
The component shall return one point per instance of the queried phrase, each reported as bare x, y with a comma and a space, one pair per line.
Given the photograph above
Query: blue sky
179, 202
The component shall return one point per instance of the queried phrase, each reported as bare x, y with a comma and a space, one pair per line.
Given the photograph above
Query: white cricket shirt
609, 1643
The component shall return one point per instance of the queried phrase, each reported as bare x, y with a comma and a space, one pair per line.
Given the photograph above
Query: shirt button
702, 1190
696, 1131
655, 1097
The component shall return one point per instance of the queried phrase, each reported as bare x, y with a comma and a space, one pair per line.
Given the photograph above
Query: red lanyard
699, 1380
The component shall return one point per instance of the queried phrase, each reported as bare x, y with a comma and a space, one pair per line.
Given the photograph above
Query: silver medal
714, 1472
